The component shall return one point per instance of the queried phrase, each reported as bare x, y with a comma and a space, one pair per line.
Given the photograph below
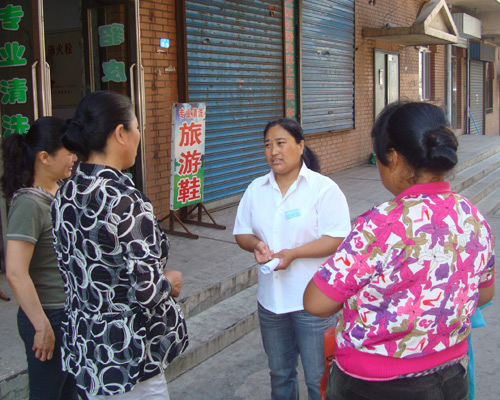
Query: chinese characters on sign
112, 35
10, 17
188, 152
13, 90
64, 57
290, 91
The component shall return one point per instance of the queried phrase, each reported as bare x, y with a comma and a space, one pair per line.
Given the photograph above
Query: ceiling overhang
434, 25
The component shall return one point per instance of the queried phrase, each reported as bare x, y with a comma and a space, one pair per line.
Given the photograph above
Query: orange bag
329, 349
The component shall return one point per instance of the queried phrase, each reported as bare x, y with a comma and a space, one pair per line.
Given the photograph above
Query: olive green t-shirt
30, 221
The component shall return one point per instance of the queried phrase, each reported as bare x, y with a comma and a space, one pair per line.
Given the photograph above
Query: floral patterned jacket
408, 275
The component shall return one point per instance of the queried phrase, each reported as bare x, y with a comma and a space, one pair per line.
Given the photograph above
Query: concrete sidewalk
240, 370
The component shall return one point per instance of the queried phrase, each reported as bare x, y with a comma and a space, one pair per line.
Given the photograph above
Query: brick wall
493, 118
438, 75
157, 20
344, 149
337, 150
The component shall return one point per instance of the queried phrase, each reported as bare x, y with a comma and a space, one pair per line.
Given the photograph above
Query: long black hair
418, 131
294, 129
19, 152
96, 117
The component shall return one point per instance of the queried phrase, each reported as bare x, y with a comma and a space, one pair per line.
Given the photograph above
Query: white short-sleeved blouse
314, 206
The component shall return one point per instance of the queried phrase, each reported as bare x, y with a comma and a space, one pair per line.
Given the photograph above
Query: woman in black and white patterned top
123, 327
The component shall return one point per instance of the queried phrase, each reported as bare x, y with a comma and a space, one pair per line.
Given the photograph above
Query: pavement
240, 371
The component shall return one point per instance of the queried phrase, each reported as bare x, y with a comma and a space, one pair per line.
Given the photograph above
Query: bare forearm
17, 261
247, 242
318, 303
28, 300
322, 247
486, 295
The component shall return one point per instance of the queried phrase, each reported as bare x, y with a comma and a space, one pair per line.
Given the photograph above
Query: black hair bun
442, 148
73, 137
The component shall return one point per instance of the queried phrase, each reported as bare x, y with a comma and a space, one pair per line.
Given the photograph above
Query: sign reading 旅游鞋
188, 153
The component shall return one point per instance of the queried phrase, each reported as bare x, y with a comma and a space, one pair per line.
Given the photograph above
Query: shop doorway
386, 79
60, 53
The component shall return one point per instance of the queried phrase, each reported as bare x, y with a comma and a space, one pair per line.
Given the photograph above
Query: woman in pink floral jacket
411, 272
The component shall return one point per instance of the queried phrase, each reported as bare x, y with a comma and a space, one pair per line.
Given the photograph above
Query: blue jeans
285, 336
451, 383
47, 380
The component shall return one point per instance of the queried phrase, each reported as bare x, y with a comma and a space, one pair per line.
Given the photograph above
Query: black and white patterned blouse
121, 326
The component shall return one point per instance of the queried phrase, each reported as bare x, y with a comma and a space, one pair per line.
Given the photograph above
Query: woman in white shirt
300, 217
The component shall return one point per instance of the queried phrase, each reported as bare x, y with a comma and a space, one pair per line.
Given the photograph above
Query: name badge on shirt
292, 213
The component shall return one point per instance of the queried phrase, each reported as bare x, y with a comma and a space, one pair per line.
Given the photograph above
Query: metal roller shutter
476, 97
327, 65
235, 66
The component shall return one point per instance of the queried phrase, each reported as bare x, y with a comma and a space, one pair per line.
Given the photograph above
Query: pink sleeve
349, 269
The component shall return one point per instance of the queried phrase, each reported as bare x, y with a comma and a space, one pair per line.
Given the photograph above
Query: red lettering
190, 162
189, 190
190, 134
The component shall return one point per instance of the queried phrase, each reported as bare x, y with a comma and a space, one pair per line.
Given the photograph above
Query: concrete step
466, 177
482, 188
209, 296
473, 149
216, 328
490, 204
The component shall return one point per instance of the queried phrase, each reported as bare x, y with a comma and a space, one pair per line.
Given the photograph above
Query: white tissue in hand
270, 266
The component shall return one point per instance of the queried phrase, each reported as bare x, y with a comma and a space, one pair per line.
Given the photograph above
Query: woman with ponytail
296, 217
33, 165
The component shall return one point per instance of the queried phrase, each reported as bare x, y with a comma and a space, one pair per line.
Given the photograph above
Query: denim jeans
285, 336
47, 380
451, 383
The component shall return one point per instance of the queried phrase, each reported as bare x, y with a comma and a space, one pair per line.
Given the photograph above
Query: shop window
488, 87
424, 74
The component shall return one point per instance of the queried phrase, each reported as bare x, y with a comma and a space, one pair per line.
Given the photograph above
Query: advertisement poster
188, 154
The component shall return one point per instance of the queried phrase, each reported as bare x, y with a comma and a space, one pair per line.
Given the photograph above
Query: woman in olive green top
33, 164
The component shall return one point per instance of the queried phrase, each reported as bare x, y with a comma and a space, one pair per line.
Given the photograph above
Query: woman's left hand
176, 281
44, 342
286, 257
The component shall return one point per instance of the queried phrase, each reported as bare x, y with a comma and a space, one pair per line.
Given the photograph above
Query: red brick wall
493, 118
341, 150
337, 150
157, 20
438, 75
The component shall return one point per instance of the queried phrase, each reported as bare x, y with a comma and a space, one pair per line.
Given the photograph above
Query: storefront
52, 56
255, 61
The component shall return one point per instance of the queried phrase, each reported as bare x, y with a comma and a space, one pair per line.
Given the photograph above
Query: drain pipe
467, 91
448, 81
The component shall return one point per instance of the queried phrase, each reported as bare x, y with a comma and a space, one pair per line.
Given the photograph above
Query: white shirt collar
304, 172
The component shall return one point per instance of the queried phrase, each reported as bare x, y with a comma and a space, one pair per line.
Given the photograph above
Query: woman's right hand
175, 279
262, 252
44, 342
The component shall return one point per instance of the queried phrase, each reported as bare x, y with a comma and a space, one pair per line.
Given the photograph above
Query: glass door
112, 58
64, 55
52, 55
